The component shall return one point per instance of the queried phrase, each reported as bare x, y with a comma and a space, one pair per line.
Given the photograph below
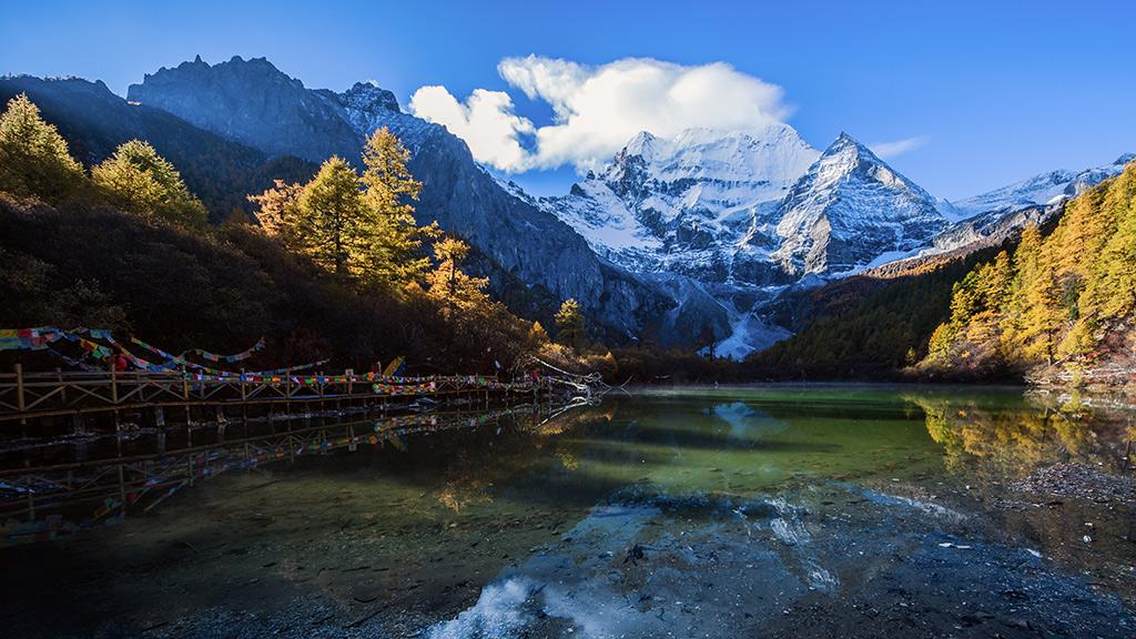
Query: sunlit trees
456, 292
331, 224
137, 179
34, 159
359, 227
278, 211
570, 323
395, 248
1059, 296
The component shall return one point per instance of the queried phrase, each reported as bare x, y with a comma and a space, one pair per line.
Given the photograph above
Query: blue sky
996, 91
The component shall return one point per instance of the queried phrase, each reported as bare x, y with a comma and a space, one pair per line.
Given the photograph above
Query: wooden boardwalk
110, 441
41, 397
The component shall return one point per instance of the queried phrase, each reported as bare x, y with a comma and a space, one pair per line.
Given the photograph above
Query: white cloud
596, 110
486, 122
898, 147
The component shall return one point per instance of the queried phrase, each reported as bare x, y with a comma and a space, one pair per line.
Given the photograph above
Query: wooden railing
26, 395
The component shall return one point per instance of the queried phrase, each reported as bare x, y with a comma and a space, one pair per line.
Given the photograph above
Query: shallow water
687, 512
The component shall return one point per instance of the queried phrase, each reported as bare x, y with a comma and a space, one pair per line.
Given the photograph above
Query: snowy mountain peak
847, 153
1045, 188
850, 209
642, 145
774, 152
684, 203
368, 96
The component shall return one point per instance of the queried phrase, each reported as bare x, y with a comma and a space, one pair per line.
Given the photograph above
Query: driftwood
582, 386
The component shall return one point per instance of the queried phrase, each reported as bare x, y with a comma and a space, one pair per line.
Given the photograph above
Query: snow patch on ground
750, 334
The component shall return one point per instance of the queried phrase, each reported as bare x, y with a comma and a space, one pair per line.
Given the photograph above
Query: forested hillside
1059, 307
864, 327
95, 122
337, 267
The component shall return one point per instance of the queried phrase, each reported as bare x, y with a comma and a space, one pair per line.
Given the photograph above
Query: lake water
687, 512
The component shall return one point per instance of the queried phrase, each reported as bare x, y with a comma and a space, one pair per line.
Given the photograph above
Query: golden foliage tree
331, 219
360, 227
137, 179
1059, 296
455, 291
395, 251
570, 323
278, 211
34, 158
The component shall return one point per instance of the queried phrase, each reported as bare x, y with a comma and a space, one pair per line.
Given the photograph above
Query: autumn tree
34, 159
1039, 308
455, 291
570, 323
278, 212
360, 227
331, 222
137, 179
537, 336
1109, 287
1059, 297
395, 247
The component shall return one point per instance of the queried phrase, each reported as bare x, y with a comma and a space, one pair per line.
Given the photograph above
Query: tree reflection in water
1011, 440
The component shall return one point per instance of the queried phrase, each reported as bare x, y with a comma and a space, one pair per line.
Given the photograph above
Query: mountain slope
254, 102
1060, 307
746, 214
1041, 189
95, 121
683, 204
848, 210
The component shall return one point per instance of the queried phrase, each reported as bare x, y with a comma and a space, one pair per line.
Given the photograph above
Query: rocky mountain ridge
676, 241
255, 103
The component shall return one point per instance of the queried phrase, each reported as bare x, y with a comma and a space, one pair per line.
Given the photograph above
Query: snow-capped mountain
530, 256
847, 211
683, 204
1046, 188
684, 239
743, 214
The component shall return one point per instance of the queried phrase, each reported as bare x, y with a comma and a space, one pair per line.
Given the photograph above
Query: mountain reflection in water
776, 511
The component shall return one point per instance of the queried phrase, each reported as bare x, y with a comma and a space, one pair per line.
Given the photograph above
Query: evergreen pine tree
395, 255
137, 179
331, 224
34, 159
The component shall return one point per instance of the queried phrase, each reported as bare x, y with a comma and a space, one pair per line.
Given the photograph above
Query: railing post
62, 386
20, 404
113, 383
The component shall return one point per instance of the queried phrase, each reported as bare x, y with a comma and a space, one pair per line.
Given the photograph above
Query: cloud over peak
896, 148
596, 109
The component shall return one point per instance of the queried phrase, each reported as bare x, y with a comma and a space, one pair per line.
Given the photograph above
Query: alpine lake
750, 511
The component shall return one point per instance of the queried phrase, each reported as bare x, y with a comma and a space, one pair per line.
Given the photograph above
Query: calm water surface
687, 512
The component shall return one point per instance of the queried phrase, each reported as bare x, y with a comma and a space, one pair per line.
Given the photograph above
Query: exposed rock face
254, 102
848, 210
95, 121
